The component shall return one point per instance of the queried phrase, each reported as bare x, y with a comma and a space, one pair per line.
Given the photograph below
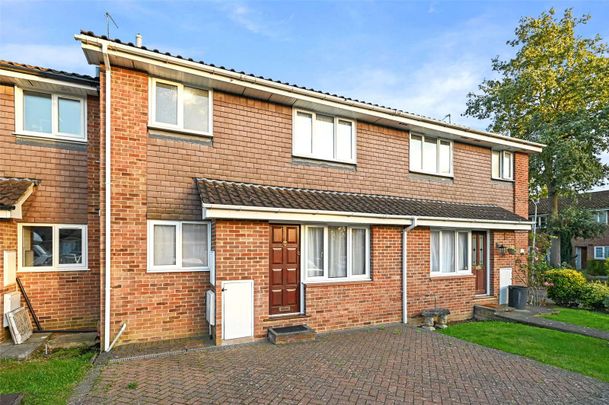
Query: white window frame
601, 212
55, 134
336, 119
502, 174
56, 265
605, 250
178, 266
324, 277
438, 142
179, 127
457, 272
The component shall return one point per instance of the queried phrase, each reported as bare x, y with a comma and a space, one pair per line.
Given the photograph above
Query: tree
574, 222
555, 91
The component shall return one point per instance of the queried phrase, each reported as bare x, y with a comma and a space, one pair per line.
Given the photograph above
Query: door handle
224, 289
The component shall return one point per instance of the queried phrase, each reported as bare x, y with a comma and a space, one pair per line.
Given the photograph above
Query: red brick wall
343, 305
253, 143
155, 306
61, 299
457, 293
242, 253
521, 190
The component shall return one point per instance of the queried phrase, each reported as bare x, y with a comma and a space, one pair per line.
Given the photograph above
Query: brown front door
479, 261
284, 269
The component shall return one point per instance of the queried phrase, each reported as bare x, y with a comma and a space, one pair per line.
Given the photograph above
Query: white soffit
35, 82
196, 74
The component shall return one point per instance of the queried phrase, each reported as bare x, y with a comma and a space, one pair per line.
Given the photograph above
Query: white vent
12, 301
210, 307
10, 267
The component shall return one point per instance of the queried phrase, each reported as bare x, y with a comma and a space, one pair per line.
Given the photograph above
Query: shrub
565, 286
598, 267
594, 295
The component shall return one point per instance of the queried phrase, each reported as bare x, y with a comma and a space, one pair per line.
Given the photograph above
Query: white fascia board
222, 75
301, 216
217, 211
56, 82
5, 213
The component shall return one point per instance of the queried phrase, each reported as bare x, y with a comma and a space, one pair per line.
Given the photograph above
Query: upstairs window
431, 155
174, 106
600, 217
323, 137
502, 165
50, 115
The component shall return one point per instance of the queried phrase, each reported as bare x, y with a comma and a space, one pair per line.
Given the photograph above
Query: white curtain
323, 137
463, 250
315, 252
164, 245
448, 252
358, 246
435, 251
194, 245
337, 259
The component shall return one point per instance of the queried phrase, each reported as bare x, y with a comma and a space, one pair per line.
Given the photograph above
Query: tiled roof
50, 73
591, 201
254, 195
395, 110
11, 190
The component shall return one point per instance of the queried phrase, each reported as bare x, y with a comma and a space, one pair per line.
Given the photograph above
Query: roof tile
11, 190
223, 192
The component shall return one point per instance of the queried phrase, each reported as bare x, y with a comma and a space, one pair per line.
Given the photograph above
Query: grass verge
573, 352
45, 379
581, 317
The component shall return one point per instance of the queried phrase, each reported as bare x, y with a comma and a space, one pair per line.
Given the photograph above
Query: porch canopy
13, 193
235, 200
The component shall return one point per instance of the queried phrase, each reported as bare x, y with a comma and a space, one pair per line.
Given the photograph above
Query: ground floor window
178, 245
47, 247
601, 252
450, 252
333, 253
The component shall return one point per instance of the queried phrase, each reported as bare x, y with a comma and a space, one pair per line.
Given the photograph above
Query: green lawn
573, 352
45, 380
581, 317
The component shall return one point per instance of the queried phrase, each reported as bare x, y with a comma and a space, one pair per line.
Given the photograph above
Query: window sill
178, 270
502, 180
336, 283
450, 276
341, 163
156, 129
444, 176
49, 137
53, 270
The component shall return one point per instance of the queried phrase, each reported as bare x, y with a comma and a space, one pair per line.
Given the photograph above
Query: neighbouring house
174, 198
584, 250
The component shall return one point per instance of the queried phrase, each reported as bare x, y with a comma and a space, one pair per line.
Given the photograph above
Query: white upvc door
237, 309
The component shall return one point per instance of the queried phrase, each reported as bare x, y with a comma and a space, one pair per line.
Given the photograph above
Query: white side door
237, 309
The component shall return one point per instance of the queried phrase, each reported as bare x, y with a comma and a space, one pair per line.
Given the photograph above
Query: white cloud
62, 57
255, 21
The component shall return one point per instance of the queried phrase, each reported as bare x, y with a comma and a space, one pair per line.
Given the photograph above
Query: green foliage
565, 286
574, 222
581, 317
45, 380
598, 267
555, 90
594, 295
573, 352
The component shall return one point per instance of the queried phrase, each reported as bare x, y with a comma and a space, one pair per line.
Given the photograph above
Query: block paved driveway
396, 364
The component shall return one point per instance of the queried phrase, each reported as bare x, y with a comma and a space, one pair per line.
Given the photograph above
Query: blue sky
422, 56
